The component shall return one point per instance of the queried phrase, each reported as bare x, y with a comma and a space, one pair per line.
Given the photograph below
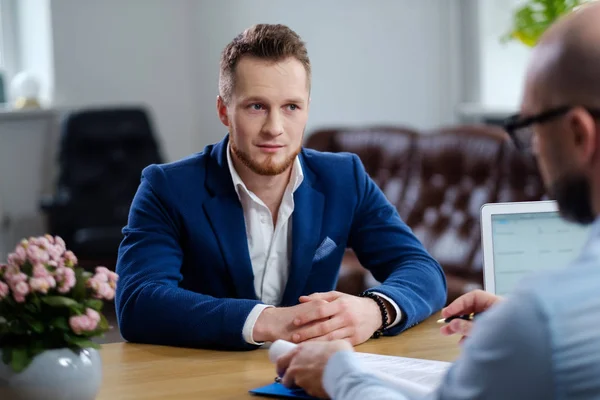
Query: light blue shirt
542, 342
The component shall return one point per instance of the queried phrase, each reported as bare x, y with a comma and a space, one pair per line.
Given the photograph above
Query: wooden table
134, 371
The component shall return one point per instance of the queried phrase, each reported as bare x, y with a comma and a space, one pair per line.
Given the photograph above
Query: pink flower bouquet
47, 302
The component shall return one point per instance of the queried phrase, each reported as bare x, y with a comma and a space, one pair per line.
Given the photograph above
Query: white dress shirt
270, 247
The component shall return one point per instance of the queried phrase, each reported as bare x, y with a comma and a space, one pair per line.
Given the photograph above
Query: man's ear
584, 128
222, 111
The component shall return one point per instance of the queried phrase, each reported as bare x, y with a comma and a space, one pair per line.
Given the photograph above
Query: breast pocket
325, 249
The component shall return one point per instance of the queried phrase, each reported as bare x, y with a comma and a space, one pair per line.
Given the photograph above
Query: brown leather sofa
438, 181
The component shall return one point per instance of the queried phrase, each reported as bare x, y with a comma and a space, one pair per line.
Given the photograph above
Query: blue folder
280, 391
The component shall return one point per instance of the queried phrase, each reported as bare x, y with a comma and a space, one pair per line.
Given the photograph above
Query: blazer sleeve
151, 307
387, 247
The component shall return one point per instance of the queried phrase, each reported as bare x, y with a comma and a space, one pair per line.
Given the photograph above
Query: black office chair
101, 156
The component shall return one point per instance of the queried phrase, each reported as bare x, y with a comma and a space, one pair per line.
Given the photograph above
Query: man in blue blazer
241, 244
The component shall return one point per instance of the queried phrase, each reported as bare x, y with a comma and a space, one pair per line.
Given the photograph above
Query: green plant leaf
80, 342
80, 282
36, 325
94, 304
9, 302
33, 304
27, 268
60, 323
19, 359
60, 301
6, 355
17, 328
37, 347
30, 308
103, 324
533, 18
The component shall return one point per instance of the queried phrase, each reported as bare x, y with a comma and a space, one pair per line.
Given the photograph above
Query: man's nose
274, 124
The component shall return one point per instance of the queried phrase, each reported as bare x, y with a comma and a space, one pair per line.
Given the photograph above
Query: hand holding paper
304, 365
280, 348
413, 377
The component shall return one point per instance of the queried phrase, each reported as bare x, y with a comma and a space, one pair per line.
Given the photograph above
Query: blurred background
94, 91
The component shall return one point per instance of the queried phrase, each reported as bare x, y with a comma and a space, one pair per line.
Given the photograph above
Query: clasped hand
321, 316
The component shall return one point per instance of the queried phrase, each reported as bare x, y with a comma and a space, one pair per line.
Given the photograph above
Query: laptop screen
529, 242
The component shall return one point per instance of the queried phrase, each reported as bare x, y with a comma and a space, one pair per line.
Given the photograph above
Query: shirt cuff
393, 303
248, 329
342, 365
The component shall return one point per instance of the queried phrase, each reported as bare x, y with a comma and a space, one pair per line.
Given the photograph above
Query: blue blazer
185, 272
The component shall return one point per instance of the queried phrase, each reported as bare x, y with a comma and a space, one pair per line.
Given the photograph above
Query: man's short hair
272, 42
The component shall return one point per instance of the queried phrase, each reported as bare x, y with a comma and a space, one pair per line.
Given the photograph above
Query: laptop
522, 238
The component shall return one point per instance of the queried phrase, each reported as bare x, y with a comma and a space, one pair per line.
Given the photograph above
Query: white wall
121, 52
26, 159
384, 62
390, 63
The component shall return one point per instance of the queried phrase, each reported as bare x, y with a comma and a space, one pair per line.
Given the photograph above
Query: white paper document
425, 372
412, 376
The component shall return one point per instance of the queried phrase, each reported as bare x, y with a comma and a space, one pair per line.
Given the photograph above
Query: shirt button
263, 220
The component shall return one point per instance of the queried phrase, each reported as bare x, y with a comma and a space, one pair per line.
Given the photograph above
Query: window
1, 40
8, 55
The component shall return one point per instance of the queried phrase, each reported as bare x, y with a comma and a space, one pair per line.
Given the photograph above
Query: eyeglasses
521, 129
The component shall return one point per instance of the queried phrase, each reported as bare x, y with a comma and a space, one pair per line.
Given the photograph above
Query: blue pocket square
325, 248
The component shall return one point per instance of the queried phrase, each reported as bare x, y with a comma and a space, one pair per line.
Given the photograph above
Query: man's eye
257, 107
293, 107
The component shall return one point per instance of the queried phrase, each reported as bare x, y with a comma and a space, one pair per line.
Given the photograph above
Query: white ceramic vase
54, 374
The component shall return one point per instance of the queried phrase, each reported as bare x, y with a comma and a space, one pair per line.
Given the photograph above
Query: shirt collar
593, 237
296, 177
595, 229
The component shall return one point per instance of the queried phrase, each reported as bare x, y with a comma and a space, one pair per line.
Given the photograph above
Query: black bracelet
384, 313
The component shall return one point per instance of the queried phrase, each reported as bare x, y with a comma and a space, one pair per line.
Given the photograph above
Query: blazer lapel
226, 217
306, 231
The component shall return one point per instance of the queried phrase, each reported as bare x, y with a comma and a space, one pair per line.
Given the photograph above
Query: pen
468, 317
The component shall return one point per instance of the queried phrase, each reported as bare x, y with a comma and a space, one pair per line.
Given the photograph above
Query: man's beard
572, 192
268, 167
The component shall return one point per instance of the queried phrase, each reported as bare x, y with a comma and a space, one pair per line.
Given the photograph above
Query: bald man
543, 341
